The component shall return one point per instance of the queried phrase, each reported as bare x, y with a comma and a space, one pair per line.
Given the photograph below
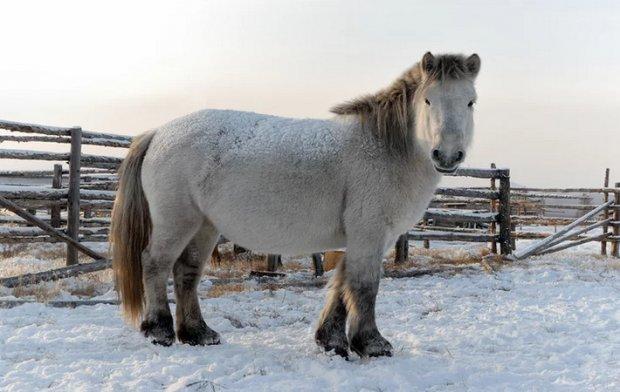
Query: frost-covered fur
294, 186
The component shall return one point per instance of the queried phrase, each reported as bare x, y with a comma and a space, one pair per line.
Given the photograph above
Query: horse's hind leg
331, 330
191, 327
173, 228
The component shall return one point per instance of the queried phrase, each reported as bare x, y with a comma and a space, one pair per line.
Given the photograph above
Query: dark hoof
161, 330
200, 335
332, 339
371, 344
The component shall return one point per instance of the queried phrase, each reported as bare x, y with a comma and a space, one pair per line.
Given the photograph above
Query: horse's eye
427, 102
470, 104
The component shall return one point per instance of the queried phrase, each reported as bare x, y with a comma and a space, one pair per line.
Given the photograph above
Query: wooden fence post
605, 213
56, 184
504, 213
513, 240
73, 200
273, 261
615, 246
426, 243
493, 209
402, 249
317, 261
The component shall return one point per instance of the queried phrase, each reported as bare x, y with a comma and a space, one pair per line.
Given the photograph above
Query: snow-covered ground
551, 323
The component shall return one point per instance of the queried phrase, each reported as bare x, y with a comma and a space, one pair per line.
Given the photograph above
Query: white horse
289, 186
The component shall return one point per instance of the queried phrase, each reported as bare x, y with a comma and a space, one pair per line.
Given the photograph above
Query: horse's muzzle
446, 170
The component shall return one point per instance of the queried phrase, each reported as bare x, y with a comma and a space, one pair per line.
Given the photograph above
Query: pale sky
548, 107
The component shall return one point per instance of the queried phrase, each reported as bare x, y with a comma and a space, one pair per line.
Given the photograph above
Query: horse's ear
473, 64
428, 63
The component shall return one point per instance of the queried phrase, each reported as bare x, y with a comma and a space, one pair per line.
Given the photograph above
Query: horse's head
444, 108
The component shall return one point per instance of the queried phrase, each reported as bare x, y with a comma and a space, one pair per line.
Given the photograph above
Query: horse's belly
291, 219
288, 242
282, 235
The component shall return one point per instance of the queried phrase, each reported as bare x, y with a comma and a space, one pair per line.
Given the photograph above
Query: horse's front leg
362, 273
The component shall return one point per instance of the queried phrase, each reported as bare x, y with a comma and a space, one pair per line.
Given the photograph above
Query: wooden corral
77, 195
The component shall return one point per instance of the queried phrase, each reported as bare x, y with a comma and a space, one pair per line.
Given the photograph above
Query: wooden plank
479, 173
414, 273
6, 232
422, 227
503, 220
49, 239
581, 207
34, 128
546, 221
459, 201
56, 184
60, 139
567, 190
466, 192
46, 193
571, 244
317, 262
37, 139
56, 131
540, 195
615, 246
9, 205
605, 213
493, 208
449, 236
56, 274
460, 215
101, 205
534, 235
26, 173
87, 222
11, 303
273, 261
88, 160
73, 197
539, 245
573, 234
32, 192
402, 249
270, 274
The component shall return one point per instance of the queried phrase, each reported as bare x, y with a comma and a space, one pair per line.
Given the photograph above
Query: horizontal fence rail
58, 131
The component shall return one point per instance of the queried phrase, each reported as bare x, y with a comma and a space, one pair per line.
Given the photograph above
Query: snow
551, 323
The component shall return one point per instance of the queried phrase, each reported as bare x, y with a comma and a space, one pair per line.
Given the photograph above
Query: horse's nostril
436, 154
459, 156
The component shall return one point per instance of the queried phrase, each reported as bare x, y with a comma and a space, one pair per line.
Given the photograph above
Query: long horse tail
130, 230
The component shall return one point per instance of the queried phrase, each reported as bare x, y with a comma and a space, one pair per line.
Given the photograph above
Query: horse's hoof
336, 341
200, 335
161, 330
371, 344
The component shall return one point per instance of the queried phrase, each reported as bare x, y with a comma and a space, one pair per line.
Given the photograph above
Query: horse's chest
408, 208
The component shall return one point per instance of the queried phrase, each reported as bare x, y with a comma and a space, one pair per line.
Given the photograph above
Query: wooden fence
542, 204
454, 211
79, 196
78, 199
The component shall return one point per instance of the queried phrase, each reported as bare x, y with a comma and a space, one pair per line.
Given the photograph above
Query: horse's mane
388, 114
